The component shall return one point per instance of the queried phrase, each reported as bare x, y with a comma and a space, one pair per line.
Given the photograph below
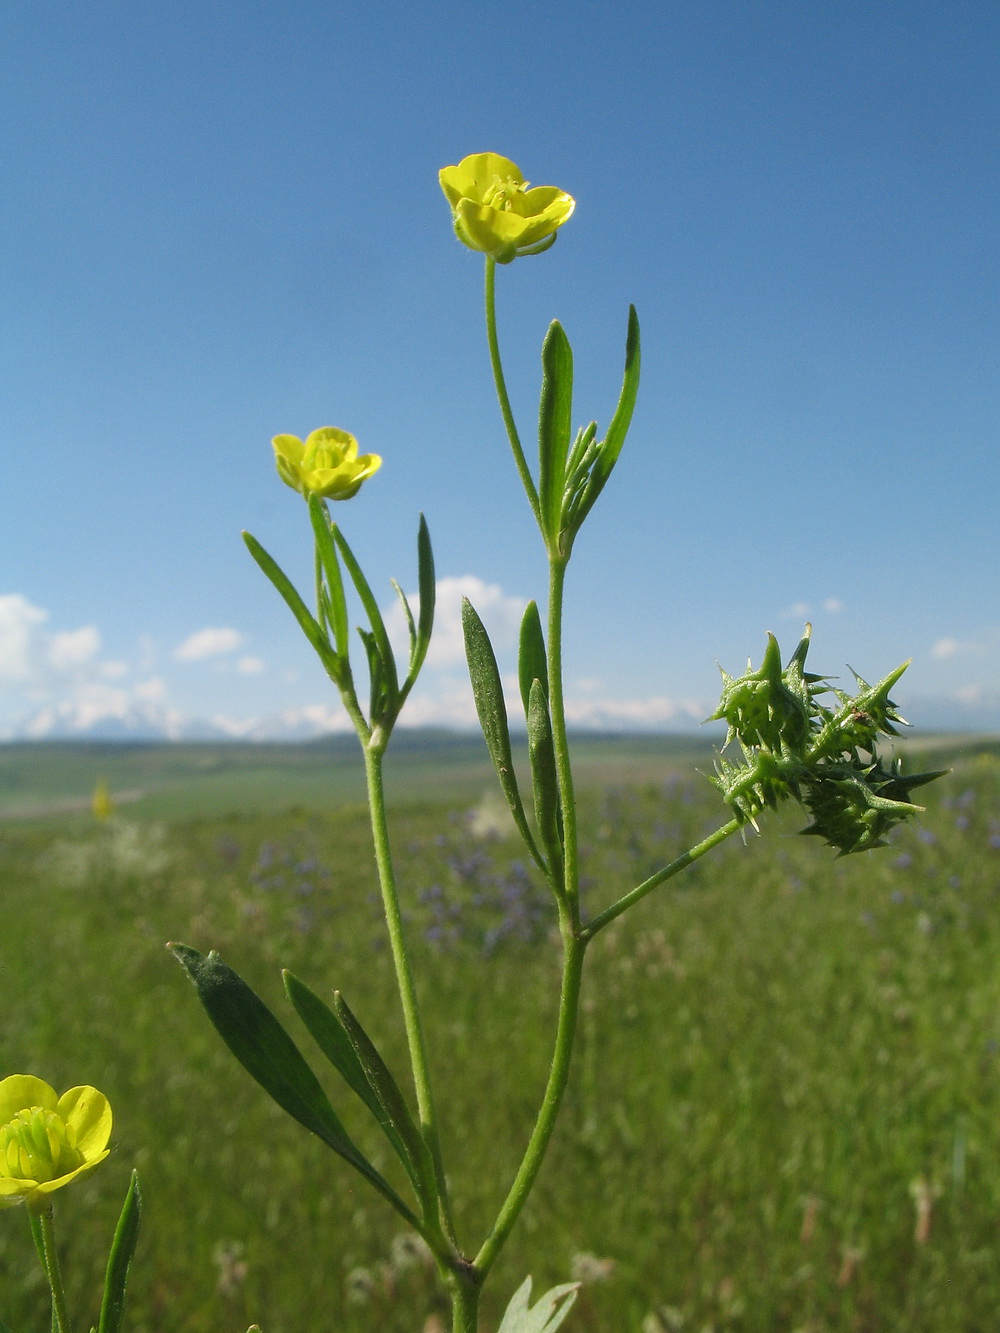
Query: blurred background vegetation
784, 1107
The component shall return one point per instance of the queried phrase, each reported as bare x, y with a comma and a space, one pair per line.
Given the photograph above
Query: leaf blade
119, 1259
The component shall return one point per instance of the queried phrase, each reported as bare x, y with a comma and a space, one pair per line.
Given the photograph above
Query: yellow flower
327, 464
495, 212
101, 803
46, 1141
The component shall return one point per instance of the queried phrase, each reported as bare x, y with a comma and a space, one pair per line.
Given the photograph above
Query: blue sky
221, 221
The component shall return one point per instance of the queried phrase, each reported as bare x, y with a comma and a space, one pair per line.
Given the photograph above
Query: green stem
501, 387
560, 742
661, 876
404, 975
43, 1235
574, 949
464, 1305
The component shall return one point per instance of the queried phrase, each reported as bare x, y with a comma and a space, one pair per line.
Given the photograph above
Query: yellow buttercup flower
327, 464
495, 212
101, 803
46, 1140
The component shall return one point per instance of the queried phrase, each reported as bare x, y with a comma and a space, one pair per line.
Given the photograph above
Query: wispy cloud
942, 649
208, 642
831, 606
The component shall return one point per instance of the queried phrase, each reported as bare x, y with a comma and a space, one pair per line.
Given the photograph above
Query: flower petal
475, 174
19, 1091
87, 1113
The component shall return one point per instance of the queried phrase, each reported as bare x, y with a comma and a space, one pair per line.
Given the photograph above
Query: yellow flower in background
327, 464
101, 803
495, 212
46, 1140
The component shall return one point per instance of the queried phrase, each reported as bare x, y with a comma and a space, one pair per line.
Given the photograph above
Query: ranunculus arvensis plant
46, 1142
799, 740
327, 464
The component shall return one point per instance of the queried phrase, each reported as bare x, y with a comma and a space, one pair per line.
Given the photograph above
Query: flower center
501, 192
38, 1145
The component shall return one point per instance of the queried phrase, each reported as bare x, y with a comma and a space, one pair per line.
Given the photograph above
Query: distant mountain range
930, 714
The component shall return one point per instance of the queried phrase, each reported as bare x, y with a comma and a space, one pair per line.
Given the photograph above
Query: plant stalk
574, 948
560, 742
43, 1234
464, 1306
404, 976
501, 387
647, 886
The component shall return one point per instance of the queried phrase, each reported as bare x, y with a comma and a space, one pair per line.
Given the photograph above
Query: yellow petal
289, 447
47, 1186
475, 174
87, 1115
19, 1091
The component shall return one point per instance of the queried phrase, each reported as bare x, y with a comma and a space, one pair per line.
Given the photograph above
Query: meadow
785, 1108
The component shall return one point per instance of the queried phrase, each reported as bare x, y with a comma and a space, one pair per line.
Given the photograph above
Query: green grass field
785, 1108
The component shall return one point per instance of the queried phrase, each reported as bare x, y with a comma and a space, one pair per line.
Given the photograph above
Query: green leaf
487, 690
327, 552
611, 446
531, 661
555, 424
330, 1035
268, 1054
4, 1328
408, 614
374, 618
390, 1099
581, 457
380, 703
545, 1316
122, 1250
544, 781
307, 622
428, 593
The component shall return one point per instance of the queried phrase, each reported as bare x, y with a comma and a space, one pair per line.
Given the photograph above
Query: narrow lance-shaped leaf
327, 552
122, 1250
581, 456
307, 622
380, 702
374, 617
268, 1054
544, 781
428, 593
555, 424
410, 624
389, 1097
611, 446
531, 662
331, 1037
487, 690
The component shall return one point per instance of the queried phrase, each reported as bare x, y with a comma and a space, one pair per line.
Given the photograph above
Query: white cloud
800, 610
250, 666
945, 648
208, 642
634, 714
499, 611
19, 622
72, 648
